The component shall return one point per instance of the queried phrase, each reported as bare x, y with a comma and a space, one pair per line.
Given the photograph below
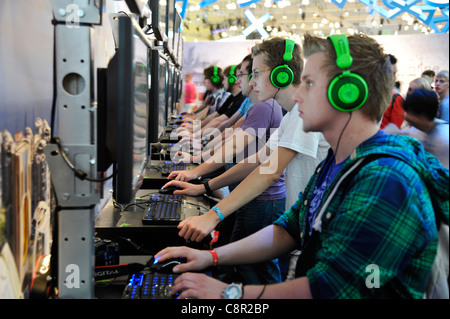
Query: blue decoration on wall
256, 24
184, 8
425, 12
245, 3
206, 3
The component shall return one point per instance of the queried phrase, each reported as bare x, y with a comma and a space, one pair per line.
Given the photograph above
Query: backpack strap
344, 181
394, 97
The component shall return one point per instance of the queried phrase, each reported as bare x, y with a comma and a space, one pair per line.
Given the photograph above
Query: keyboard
167, 167
164, 209
149, 286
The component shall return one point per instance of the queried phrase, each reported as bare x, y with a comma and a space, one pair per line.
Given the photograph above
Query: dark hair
422, 102
429, 73
209, 72
249, 59
392, 59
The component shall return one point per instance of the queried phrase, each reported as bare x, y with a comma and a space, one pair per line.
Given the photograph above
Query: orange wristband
215, 258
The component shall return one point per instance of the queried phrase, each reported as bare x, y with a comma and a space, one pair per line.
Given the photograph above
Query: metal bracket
77, 128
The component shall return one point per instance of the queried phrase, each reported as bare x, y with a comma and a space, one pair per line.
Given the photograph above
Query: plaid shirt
383, 228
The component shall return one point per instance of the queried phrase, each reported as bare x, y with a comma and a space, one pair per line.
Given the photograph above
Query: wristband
218, 212
208, 189
215, 258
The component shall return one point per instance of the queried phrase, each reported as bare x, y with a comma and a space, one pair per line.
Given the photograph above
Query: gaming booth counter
120, 143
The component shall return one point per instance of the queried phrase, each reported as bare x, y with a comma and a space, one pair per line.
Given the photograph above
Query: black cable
342, 132
78, 172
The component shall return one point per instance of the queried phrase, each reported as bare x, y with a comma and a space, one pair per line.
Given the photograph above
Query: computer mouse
168, 190
166, 266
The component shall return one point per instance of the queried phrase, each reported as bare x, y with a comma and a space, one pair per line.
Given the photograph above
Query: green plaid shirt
379, 239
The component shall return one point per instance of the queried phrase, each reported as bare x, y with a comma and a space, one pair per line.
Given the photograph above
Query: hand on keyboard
186, 188
183, 176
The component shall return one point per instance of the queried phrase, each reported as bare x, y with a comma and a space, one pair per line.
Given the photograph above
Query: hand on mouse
196, 259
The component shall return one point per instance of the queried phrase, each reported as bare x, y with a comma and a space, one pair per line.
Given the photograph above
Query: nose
297, 96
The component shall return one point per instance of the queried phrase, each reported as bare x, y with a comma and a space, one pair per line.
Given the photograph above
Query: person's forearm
232, 148
255, 183
233, 175
292, 289
268, 243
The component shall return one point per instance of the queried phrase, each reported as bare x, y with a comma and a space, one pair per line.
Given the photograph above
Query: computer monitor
158, 96
159, 19
170, 88
170, 7
176, 32
123, 90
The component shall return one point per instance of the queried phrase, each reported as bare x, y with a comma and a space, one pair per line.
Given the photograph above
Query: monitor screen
170, 7
158, 96
123, 111
163, 96
170, 88
177, 32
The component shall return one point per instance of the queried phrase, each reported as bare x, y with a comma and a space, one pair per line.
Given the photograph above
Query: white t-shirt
311, 149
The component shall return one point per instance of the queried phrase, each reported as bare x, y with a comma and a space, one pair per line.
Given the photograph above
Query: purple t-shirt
262, 120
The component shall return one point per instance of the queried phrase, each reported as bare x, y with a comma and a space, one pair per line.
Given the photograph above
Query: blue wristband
218, 212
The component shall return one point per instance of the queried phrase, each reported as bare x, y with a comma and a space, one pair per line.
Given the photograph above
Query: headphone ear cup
215, 79
232, 79
348, 91
281, 76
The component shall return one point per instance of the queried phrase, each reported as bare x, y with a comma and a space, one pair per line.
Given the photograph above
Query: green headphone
215, 77
282, 76
232, 77
347, 91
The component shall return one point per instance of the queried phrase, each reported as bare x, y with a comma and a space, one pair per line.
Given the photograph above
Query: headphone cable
340, 135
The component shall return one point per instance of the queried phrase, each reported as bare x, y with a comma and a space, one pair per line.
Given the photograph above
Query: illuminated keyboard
163, 209
167, 167
149, 286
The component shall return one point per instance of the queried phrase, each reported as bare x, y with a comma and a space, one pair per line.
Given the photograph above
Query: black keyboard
164, 209
150, 286
168, 167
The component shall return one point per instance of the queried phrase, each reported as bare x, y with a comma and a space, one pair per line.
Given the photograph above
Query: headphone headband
232, 77
215, 77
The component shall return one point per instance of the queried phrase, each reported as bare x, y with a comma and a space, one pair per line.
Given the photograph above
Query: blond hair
369, 61
273, 50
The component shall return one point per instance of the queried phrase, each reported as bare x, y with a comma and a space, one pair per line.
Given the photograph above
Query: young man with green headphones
366, 229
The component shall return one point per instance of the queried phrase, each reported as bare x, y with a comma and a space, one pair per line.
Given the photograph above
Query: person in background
441, 87
190, 93
421, 106
429, 76
394, 112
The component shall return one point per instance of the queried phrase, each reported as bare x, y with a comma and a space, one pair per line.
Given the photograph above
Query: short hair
209, 72
442, 74
392, 58
273, 50
248, 58
369, 61
422, 102
429, 73
422, 83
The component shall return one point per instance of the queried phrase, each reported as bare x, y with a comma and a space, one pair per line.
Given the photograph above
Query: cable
342, 132
78, 172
